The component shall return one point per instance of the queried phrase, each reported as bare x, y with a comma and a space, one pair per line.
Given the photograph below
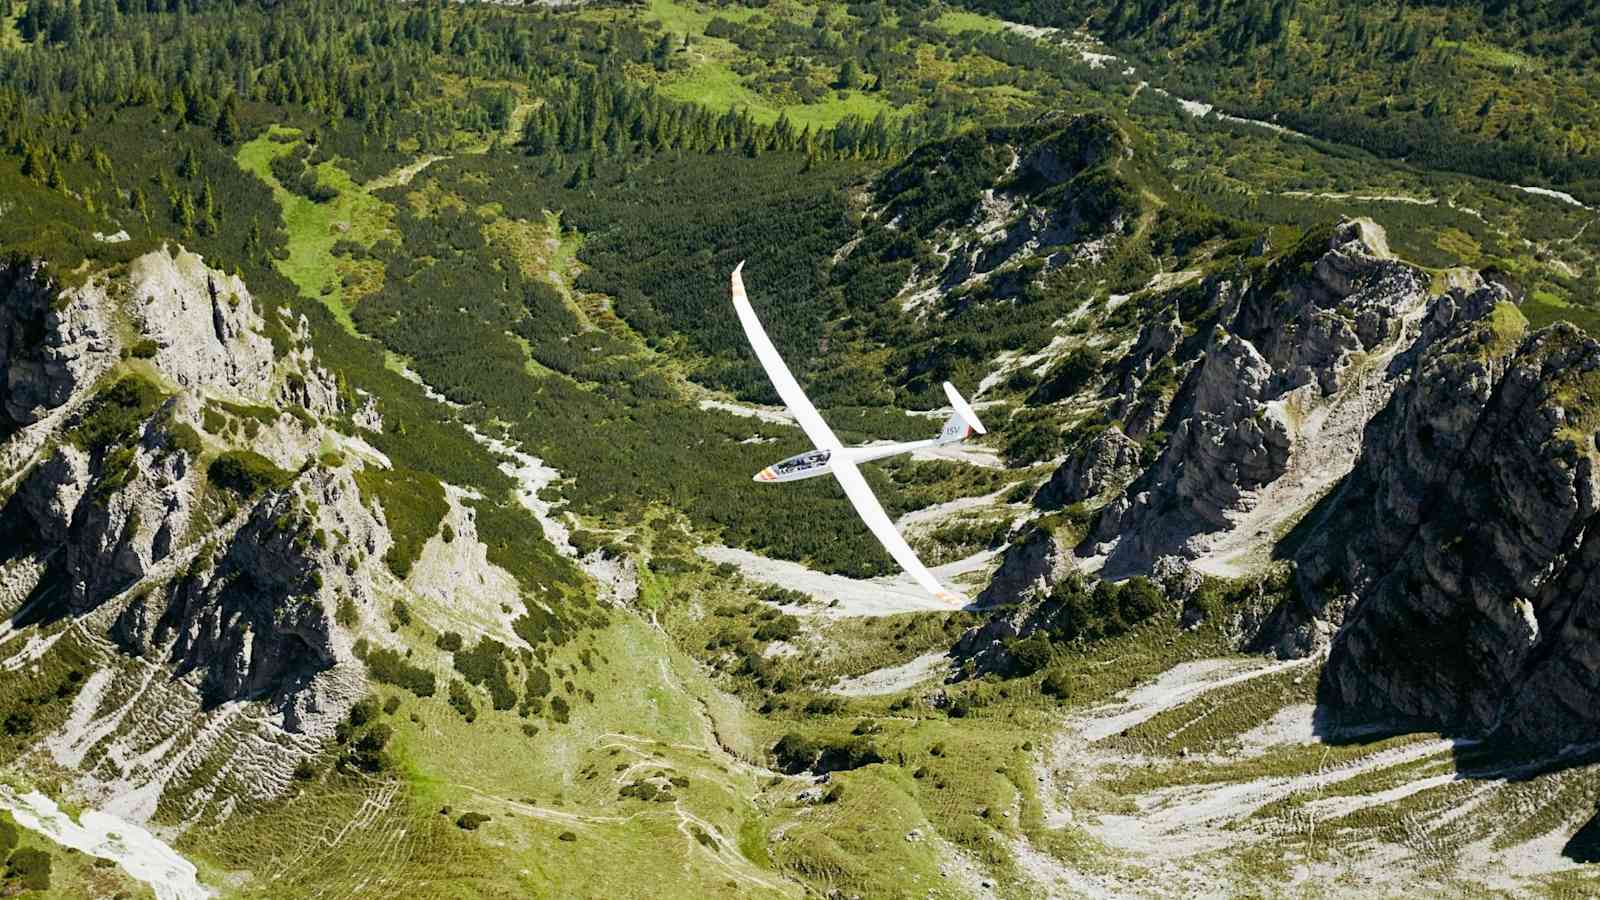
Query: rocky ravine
210, 603
1423, 465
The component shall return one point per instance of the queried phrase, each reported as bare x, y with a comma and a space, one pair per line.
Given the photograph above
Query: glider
833, 457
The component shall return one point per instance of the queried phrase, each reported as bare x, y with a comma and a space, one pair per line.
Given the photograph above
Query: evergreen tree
849, 74
227, 129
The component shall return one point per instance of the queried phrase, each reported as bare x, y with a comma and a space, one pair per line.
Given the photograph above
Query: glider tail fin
963, 421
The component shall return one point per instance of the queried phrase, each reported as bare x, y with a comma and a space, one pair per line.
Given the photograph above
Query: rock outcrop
53, 341
1424, 471
1107, 461
1457, 570
205, 326
245, 591
1028, 568
1271, 409
1057, 197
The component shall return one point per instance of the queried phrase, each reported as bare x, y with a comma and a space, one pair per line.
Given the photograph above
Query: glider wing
789, 389
871, 512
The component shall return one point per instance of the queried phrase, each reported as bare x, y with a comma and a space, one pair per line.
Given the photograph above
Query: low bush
117, 414
471, 821
247, 473
389, 667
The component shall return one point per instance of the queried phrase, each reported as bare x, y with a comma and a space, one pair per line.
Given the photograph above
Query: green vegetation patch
392, 667
318, 214
247, 473
413, 505
116, 415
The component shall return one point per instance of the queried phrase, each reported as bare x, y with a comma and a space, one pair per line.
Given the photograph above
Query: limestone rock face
205, 326
1271, 409
237, 597
52, 341
1106, 461
1425, 470
50, 495
1027, 568
254, 619
1460, 562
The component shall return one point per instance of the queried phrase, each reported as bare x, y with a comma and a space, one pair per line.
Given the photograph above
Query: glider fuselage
819, 462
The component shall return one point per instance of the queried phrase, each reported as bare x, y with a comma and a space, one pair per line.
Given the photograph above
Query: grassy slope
339, 834
314, 228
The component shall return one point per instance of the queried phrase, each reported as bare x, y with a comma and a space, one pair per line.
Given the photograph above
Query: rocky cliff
1457, 568
1418, 471
1286, 364
173, 495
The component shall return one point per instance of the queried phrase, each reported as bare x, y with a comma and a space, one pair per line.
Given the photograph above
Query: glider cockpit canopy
814, 460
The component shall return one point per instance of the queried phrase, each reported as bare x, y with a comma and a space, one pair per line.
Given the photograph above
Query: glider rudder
963, 422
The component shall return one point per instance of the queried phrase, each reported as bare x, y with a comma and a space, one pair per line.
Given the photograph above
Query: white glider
841, 461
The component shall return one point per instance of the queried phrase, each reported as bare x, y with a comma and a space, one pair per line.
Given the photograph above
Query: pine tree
849, 74
227, 130
183, 212
208, 201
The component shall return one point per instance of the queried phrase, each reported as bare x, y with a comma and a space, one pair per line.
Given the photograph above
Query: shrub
117, 414
784, 627
1035, 443
835, 793
449, 642
484, 665
182, 437
1056, 684
247, 473
413, 505
30, 868
461, 701
144, 349
1068, 377
567, 836
363, 711
345, 613
389, 667
1029, 654
795, 753
471, 821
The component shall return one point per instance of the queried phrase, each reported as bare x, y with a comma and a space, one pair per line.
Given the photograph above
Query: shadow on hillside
1584, 846
1474, 758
